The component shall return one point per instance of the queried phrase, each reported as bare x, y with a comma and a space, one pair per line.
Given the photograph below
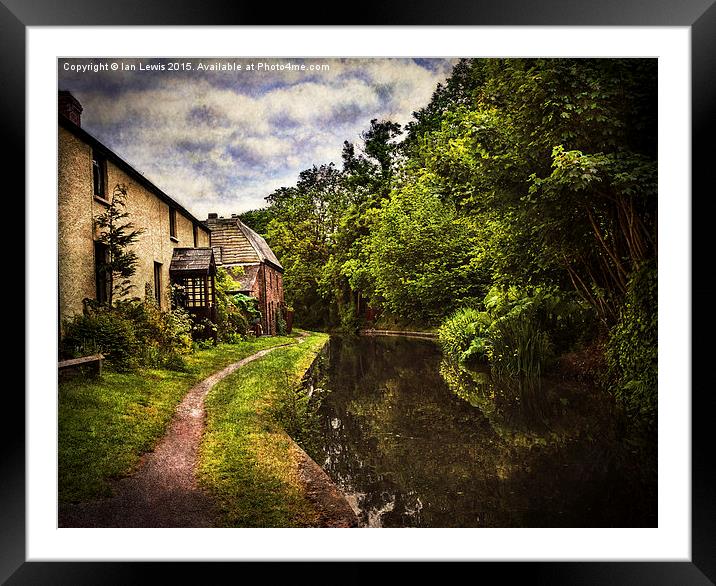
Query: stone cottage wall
77, 208
74, 224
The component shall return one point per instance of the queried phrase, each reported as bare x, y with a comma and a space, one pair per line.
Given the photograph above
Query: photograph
322, 296
357, 292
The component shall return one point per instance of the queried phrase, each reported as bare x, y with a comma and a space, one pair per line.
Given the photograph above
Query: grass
246, 459
106, 424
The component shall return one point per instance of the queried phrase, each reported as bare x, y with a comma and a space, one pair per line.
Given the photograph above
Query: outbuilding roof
246, 278
235, 243
193, 260
262, 248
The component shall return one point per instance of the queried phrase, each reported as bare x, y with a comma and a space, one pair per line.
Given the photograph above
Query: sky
221, 140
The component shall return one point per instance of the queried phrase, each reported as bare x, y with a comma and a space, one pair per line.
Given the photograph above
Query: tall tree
305, 224
258, 220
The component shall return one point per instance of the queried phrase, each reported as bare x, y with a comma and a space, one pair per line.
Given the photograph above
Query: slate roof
235, 243
257, 241
195, 260
248, 277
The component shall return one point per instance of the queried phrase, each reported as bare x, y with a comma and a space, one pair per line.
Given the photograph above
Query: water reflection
417, 442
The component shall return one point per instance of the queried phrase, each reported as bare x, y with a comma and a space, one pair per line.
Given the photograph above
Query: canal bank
254, 471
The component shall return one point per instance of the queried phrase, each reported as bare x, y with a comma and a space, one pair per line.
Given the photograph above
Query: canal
414, 441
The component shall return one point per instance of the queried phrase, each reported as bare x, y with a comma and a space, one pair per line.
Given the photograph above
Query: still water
415, 442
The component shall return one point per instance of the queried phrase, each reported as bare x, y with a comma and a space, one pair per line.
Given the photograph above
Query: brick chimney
213, 216
69, 107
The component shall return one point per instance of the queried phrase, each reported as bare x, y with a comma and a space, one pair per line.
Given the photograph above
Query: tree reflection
418, 443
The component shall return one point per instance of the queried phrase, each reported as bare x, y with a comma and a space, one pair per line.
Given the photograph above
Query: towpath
163, 492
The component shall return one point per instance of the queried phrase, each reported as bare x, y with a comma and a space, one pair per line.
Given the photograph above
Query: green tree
419, 255
458, 90
302, 232
258, 220
557, 157
367, 177
118, 235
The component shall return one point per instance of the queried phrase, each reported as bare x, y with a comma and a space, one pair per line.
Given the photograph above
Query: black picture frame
699, 15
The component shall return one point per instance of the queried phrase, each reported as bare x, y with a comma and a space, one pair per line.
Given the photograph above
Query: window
195, 292
173, 223
158, 283
99, 172
101, 274
196, 236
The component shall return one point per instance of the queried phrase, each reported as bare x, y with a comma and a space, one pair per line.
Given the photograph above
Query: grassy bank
246, 460
105, 425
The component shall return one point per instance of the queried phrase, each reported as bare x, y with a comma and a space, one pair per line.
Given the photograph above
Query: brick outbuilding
252, 263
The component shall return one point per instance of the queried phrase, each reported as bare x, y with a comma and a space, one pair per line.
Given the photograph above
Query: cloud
222, 141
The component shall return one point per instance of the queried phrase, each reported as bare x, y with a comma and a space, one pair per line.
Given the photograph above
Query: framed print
156, 50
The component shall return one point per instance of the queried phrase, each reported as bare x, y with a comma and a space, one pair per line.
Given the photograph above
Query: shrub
130, 334
179, 326
204, 330
516, 333
162, 334
234, 338
234, 312
103, 330
463, 335
239, 323
203, 344
554, 312
247, 305
632, 349
176, 362
280, 325
518, 348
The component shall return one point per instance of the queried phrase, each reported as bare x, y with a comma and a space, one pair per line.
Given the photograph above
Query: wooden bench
95, 361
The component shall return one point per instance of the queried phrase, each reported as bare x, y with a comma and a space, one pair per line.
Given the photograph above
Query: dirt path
163, 492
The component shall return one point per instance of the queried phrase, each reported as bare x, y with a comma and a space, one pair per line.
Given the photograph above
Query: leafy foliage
463, 335
632, 348
117, 235
526, 185
418, 258
104, 331
247, 305
518, 331
131, 334
232, 315
258, 220
164, 336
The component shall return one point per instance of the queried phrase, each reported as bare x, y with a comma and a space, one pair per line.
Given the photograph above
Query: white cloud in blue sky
222, 141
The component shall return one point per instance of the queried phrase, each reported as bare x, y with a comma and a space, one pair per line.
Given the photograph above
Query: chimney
213, 216
69, 107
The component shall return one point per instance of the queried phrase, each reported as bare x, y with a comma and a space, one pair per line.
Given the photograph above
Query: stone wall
74, 224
